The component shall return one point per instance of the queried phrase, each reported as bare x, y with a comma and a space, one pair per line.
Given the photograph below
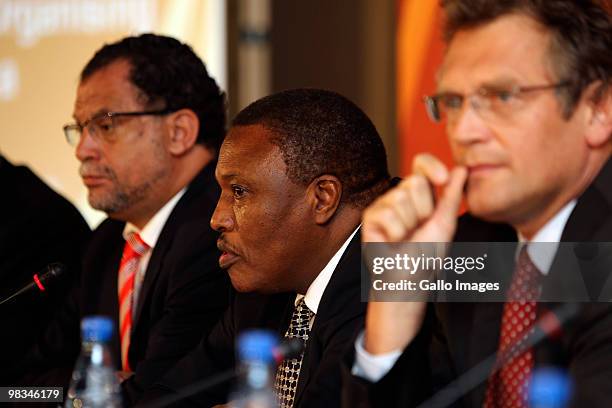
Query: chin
242, 287
491, 208
241, 284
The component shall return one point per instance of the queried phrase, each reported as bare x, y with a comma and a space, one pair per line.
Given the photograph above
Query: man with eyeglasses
524, 93
149, 121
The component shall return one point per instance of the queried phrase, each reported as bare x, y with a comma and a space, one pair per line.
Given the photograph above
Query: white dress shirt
374, 367
150, 234
315, 291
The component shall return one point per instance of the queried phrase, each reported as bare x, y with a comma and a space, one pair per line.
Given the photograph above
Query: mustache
224, 246
88, 168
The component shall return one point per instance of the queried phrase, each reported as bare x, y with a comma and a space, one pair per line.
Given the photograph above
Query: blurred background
382, 54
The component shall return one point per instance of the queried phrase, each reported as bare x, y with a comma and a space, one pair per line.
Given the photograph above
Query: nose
468, 127
87, 147
222, 219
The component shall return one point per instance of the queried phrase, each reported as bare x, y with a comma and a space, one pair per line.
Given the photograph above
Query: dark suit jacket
37, 227
457, 336
183, 294
339, 317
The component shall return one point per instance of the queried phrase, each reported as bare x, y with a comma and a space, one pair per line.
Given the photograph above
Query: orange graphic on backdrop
419, 54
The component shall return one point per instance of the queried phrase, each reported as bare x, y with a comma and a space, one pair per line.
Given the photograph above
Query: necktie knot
525, 284
300, 321
136, 244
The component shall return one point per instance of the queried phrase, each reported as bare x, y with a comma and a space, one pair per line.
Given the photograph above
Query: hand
409, 213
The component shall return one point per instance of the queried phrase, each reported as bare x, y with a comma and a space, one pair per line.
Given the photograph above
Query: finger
421, 195
372, 233
448, 206
431, 167
382, 223
399, 200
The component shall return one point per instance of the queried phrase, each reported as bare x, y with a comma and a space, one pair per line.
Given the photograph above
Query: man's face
124, 169
261, 214
524, 163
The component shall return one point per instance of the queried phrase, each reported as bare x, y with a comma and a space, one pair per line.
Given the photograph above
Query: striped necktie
133, 251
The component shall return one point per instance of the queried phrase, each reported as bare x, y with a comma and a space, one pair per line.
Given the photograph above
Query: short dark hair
169, 75
581, 47
321, 132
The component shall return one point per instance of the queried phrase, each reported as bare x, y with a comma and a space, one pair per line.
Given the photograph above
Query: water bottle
94, 383
256, 371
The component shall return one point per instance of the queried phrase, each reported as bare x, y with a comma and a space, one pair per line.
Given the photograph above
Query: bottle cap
257, 345
550, 387
96, 328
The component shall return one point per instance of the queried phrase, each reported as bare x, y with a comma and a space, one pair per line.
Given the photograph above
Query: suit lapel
344, 284
177, 217
591, 218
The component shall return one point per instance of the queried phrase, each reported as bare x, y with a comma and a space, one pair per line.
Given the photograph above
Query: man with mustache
295, 170
524, 93
149, 121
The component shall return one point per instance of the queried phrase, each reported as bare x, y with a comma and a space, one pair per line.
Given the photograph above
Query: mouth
93, 180
482, 169
228, 256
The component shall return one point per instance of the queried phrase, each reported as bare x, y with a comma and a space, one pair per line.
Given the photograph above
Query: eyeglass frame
433, 110
80, 127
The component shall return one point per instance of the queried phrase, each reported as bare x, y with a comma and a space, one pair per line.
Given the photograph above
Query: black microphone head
289, 348
53, 271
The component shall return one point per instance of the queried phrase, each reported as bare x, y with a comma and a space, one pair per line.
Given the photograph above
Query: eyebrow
225, 176
502, 82
96, 114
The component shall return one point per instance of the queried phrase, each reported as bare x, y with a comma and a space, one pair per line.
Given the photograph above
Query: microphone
549, 325
40, 280
287, 349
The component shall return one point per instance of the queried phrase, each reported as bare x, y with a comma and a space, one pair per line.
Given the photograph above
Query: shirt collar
151, 231
542, 255
317, 287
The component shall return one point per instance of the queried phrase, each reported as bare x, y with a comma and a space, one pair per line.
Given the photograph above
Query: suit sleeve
214, 355
323, 384
590, 365
407, 384
39, 227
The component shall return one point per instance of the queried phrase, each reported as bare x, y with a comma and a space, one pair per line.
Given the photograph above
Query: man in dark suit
295, 170
149, 122
524, 91
39, 227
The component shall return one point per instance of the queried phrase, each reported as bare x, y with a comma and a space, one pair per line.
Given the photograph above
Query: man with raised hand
524, 93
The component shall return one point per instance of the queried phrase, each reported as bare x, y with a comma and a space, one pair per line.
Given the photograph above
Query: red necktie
133, 250
508, 386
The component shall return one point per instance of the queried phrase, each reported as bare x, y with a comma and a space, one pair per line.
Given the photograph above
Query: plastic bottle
256, 369
94, 383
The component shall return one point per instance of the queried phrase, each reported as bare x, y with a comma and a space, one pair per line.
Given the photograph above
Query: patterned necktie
133, 250
508, 386
288, 373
